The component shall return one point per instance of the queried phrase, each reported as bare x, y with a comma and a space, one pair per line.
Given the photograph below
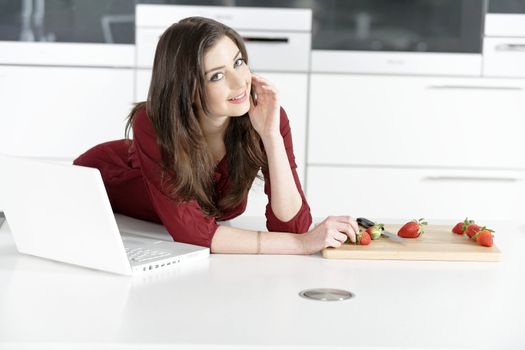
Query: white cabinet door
416, 121
142, 82
391, 193
60, 112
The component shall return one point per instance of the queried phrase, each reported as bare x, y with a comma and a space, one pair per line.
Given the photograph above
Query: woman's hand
265, 113
332, 232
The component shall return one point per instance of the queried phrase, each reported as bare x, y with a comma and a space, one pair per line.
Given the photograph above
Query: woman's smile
239, 98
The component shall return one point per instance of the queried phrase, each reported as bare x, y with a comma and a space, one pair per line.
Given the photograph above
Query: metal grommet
326, 294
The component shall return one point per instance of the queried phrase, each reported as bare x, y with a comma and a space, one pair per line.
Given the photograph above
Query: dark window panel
507, 6
108, 21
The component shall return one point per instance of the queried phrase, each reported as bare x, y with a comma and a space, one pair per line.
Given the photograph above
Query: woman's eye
217, 76
239, 62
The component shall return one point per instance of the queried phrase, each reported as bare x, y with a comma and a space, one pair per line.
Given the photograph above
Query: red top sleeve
303, 219
185, 221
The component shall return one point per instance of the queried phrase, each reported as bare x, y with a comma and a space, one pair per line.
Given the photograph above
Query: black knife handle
365, 223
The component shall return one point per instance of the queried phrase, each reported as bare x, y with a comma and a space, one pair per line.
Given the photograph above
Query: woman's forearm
238, 241
285, 199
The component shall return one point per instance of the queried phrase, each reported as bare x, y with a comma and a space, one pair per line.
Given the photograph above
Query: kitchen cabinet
60, 111
416, 121
411, 193
406, 146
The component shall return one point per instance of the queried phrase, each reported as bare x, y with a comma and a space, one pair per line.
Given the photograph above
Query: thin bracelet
258, 242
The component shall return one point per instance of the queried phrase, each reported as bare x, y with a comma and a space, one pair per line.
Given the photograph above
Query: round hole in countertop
326, 294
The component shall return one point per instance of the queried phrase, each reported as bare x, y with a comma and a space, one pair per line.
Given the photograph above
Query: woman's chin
240, 111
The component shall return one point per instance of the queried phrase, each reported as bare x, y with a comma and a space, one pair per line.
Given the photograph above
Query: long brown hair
178, 76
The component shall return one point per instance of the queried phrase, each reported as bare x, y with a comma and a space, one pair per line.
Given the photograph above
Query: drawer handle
265, 40
473, 178
472, 87
510, 47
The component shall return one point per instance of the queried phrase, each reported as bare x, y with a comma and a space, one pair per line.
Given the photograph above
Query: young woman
198, 143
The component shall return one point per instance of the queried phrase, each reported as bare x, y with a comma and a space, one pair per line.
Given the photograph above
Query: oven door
396, 36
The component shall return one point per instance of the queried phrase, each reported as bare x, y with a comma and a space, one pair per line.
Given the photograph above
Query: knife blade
365, 223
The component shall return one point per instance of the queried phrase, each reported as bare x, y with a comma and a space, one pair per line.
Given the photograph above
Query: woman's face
228, 80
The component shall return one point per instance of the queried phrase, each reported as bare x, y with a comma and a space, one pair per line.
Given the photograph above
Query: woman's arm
286, 200
332, 232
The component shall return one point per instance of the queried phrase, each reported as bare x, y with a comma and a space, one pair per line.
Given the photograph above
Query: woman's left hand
265, 114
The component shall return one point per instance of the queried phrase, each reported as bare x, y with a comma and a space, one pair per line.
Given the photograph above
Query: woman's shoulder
141, 122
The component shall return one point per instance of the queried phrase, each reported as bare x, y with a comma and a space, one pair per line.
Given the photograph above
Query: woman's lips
239, 99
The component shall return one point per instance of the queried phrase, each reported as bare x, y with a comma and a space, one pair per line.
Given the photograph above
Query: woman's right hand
331, 232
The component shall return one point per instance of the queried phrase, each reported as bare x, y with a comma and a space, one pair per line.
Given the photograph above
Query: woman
198, 144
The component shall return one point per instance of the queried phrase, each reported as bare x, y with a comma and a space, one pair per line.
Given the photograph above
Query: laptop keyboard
143, 254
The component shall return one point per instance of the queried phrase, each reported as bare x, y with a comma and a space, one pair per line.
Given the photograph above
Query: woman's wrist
272, 140
304, 240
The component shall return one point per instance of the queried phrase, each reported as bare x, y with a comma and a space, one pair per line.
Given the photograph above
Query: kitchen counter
252, 301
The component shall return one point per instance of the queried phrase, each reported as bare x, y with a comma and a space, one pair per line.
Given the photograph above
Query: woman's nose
237, 80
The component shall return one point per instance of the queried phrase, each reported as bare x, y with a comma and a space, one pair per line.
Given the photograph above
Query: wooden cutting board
437, 243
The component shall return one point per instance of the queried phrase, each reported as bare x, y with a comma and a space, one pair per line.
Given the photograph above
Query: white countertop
245, 300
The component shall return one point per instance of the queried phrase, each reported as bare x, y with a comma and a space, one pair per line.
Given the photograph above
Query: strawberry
472, 229
458, 228
484, 237
412, 229
375, 231
462, 226
363, 238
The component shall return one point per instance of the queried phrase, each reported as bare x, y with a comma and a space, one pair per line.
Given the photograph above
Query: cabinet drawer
265, 49
415, 193
416, 121
504, 57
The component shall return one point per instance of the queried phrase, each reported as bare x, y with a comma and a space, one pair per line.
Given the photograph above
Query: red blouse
131, 173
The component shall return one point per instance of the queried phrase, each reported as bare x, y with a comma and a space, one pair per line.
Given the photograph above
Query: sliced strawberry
363, 238
375, 231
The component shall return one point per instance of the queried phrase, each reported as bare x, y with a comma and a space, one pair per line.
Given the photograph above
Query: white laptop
62, 212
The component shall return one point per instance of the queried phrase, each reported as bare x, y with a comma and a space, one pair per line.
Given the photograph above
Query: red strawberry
458, 228
472, 229
363, 238
375, 231
412, 229
461, 226
484, 237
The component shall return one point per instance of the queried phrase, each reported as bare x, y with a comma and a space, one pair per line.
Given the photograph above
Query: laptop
62, 212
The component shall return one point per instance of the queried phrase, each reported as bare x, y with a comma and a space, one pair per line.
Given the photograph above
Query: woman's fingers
346, 230
348, 220
262, 83
340, 237
333, 243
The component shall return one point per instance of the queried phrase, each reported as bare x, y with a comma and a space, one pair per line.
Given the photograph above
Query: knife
365, 223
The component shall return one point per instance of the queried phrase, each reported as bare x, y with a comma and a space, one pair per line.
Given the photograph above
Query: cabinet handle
510, 47
265, 40
472, 87
473, 178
